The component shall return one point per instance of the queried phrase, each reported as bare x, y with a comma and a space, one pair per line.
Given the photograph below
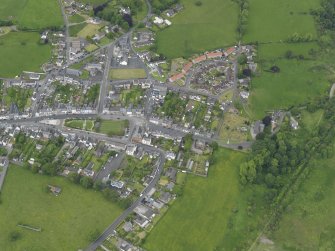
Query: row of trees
243, 16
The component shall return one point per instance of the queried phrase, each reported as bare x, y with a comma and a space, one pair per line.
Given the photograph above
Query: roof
199, 59
214, 54
176, 77
187, 67
230, 51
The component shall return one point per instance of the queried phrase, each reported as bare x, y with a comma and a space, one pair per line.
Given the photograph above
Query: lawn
75, 29
67, 221
32, 14
113, 127
211, 214
76, 18
273, 21
89, 30
297, 80
199, 28
120, 74
309, 222
21, 51
80, 124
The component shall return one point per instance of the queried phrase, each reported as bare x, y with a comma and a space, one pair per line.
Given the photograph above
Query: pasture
68, 221
298, 79
211, 214
199, 28
21, 51
274, 21
32, 14
309, 222
120, 74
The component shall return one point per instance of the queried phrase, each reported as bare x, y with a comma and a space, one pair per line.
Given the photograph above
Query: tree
242, 59
86, 182
14, 236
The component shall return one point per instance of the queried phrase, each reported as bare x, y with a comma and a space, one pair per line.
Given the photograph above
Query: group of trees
173, 106
243, 16
158, 6
326, 15
274, 158
298, 38
6, 23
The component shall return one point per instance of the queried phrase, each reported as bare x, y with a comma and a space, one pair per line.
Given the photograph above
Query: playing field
309, 222
273, 21
21, 51
199, 28
119, 74
67, 221
297, 80
210, 215
32, 14
113, 127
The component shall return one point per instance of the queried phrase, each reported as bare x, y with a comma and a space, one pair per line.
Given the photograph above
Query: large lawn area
273, 20
113, 127
21, 51
67, 221
119, 74
297, 80
308, 223
32, 14
211, 214
199, 28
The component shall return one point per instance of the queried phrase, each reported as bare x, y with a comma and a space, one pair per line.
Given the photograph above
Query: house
165, 197
257, 128
187, 67
170, 155
211, 55
167, 22
117, 184
75, 46
73, 72
229, 51
176, 77
144, 212
159, 92
158, 21
142, 222
199, 59
170, 12
294, 123
128, 226
171, 173
131, 149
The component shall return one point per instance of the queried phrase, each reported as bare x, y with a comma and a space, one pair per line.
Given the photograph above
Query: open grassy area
272, 21
120, 74
80, 124
199, 28
308, 223
33, 14
21, 51
75, 29
76, 18
89, 30
67, 221
298, 79
211, 214
113, 127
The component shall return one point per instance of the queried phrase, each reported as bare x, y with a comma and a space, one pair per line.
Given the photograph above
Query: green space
68, 221
21, 97
199, 28
301, 75
120, 74
89, 30
75, 29
76, 18
33, 14
80, 124
24, 51
112, 127
214, 213
274, 21
132, 96
308, 223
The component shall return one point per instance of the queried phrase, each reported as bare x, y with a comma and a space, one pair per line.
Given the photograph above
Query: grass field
203, 218
89, 30
67, 221
21, 51
297, 80
308, 224
76, 18
33, 14
80, 124
120, 74
199, 28
272, 21
113, 127
75, 29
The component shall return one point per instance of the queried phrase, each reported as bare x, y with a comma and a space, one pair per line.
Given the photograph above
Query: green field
297, 80
32, 14
199, 28
273, 21
308, 223
67, 221
120, 74
80, 124
76, 18
211, 214
113, 127
21, 51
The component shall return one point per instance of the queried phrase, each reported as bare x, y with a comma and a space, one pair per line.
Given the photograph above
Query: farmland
34, 14
203, 218
195, 30
24, 51
67, 221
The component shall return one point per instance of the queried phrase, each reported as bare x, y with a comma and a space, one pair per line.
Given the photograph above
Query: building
199, 59
176, 77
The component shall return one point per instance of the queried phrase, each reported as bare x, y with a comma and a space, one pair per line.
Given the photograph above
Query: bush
198, 3
14, 236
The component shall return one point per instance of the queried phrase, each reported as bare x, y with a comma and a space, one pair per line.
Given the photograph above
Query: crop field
203, 217
21, 51
199, 28
309, 222
274, 21
120, 74
68, 221
33, 14
297, 80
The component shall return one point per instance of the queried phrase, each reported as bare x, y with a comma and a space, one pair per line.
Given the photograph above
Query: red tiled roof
214, 54
199, 59
230, 51
176, 77
187, 67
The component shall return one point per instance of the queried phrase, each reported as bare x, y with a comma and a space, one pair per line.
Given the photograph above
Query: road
111, 229
67, 34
